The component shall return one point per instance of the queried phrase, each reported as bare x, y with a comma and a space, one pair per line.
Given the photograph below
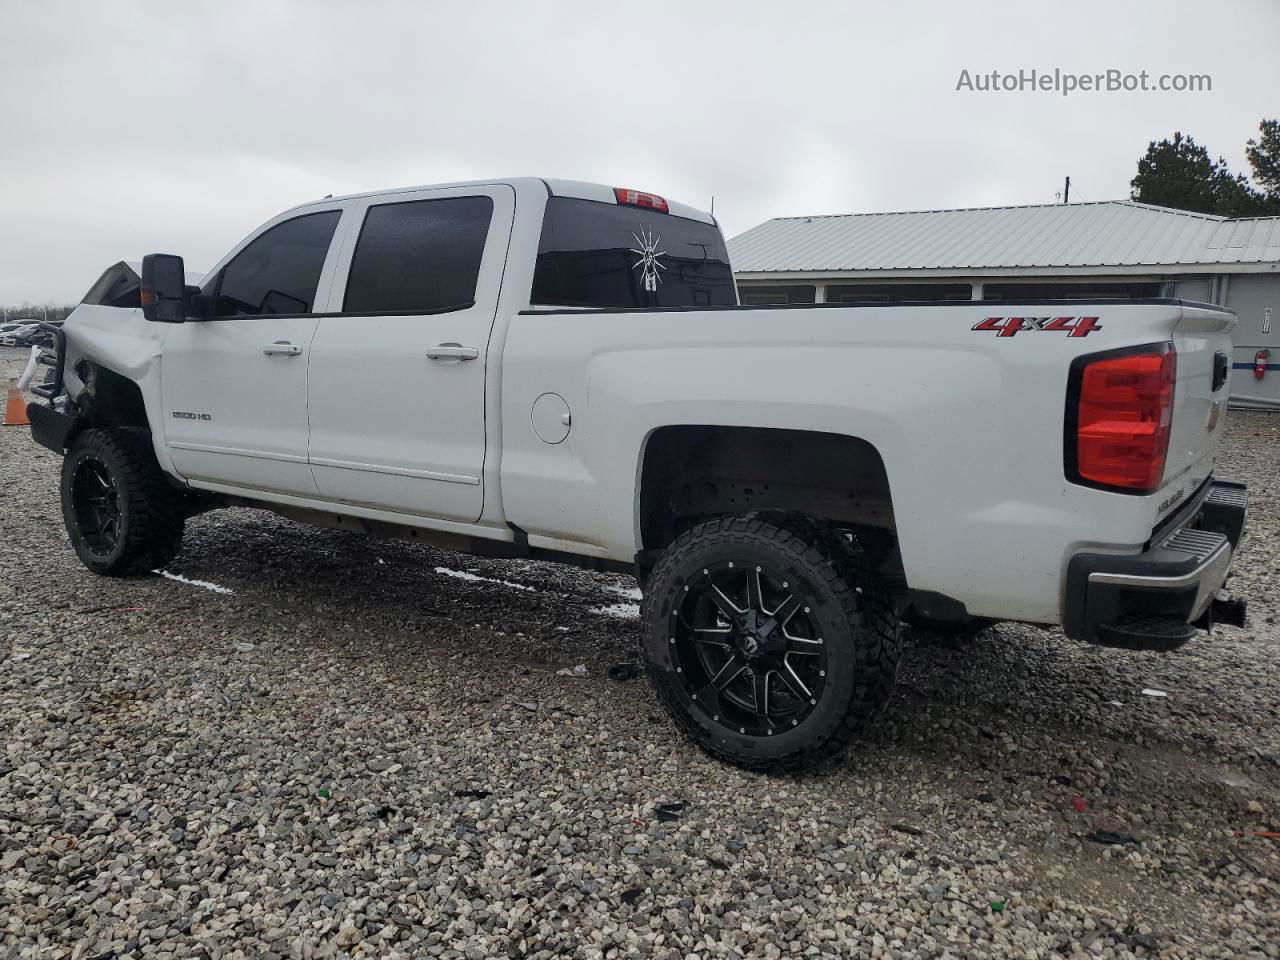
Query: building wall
839, 290
749, 293
884, 292
1251, 295
1199, 289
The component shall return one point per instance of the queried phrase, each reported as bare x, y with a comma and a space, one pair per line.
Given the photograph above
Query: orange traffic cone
15, 409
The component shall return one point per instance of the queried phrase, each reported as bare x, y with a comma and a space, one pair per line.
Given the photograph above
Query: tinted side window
595, 254
420, 255
278, 272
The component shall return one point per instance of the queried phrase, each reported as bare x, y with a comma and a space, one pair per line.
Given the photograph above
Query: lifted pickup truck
551, 369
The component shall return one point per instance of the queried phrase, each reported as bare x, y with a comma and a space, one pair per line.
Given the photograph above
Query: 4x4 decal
1009, 326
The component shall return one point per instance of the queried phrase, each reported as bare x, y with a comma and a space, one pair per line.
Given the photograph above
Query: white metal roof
1115, 236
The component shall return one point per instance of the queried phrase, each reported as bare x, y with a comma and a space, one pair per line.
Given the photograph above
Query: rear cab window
595, 254
419, 256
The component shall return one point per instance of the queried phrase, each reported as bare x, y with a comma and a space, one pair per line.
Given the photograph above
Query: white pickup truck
561, 370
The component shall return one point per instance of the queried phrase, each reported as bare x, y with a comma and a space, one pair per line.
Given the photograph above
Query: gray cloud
137, 127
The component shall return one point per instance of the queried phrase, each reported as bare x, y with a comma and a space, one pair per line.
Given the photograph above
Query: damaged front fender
111, 358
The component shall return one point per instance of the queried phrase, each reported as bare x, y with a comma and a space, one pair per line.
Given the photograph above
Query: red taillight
634, 198
1123, 407
1260, 360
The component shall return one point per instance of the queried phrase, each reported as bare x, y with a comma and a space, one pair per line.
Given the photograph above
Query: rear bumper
1157, 599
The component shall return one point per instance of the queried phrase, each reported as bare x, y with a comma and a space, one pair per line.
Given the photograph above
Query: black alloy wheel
750, 648
95, 505
122, 515
769, 639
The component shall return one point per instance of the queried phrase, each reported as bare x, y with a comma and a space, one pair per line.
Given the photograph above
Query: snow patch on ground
620, 611
466, 575
205, 584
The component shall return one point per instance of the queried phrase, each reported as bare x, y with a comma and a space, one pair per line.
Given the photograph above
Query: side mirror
164, 288
199, 304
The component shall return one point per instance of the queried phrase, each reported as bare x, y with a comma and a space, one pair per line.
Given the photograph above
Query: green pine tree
1264, 158
1179, 173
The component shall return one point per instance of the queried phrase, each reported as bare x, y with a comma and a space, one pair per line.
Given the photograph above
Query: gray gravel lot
363, 750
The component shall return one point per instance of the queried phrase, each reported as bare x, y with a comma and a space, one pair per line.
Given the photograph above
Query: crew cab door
398, 373
234, 387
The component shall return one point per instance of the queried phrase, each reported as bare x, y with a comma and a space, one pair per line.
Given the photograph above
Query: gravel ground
363, 748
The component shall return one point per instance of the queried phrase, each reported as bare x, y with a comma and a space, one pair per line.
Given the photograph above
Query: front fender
119, 340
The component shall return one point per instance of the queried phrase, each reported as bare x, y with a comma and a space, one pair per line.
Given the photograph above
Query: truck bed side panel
969, 425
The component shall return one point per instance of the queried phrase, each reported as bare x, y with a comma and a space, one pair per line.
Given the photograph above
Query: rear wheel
768, 640
121, 514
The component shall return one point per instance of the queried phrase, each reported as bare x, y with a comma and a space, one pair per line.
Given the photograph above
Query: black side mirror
199, 304
164, 288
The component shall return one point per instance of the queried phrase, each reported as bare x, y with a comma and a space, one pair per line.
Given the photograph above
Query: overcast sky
128, 128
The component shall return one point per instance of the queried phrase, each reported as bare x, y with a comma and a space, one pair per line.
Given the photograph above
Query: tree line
30, 311
1180, 173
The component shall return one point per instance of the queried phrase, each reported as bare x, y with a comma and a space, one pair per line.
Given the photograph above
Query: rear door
234, 388
398, 373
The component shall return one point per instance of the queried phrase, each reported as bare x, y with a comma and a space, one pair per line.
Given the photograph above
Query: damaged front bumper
1158, 599
50, 426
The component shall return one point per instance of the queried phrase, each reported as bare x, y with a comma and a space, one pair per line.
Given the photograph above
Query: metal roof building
1067, 239
1115, 248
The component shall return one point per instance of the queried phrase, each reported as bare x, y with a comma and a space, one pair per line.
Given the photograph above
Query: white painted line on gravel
205, 584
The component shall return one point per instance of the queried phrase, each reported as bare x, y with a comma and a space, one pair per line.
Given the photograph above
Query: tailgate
1202, 339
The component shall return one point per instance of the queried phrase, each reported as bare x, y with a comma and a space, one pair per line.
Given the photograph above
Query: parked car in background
11, 331
29, 335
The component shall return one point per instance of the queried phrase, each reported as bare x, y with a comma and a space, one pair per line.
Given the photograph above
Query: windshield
608, 255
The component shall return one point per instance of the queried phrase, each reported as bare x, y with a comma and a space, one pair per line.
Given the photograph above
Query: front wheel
121, 514
768, 640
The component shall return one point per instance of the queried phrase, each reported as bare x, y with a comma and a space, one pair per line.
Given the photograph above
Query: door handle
452, 352
282, 348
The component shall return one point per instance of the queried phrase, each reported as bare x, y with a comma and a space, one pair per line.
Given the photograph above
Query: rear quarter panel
969, 424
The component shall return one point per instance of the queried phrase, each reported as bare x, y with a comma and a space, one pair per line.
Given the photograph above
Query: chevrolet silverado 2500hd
562, 370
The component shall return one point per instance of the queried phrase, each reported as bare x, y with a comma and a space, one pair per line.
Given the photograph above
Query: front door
397, 377
234, 387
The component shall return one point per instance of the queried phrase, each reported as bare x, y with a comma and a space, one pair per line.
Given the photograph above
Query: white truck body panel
367, 444
969, 427
359, 422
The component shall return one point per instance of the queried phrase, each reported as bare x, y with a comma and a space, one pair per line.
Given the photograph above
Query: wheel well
108, 399
693, 472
